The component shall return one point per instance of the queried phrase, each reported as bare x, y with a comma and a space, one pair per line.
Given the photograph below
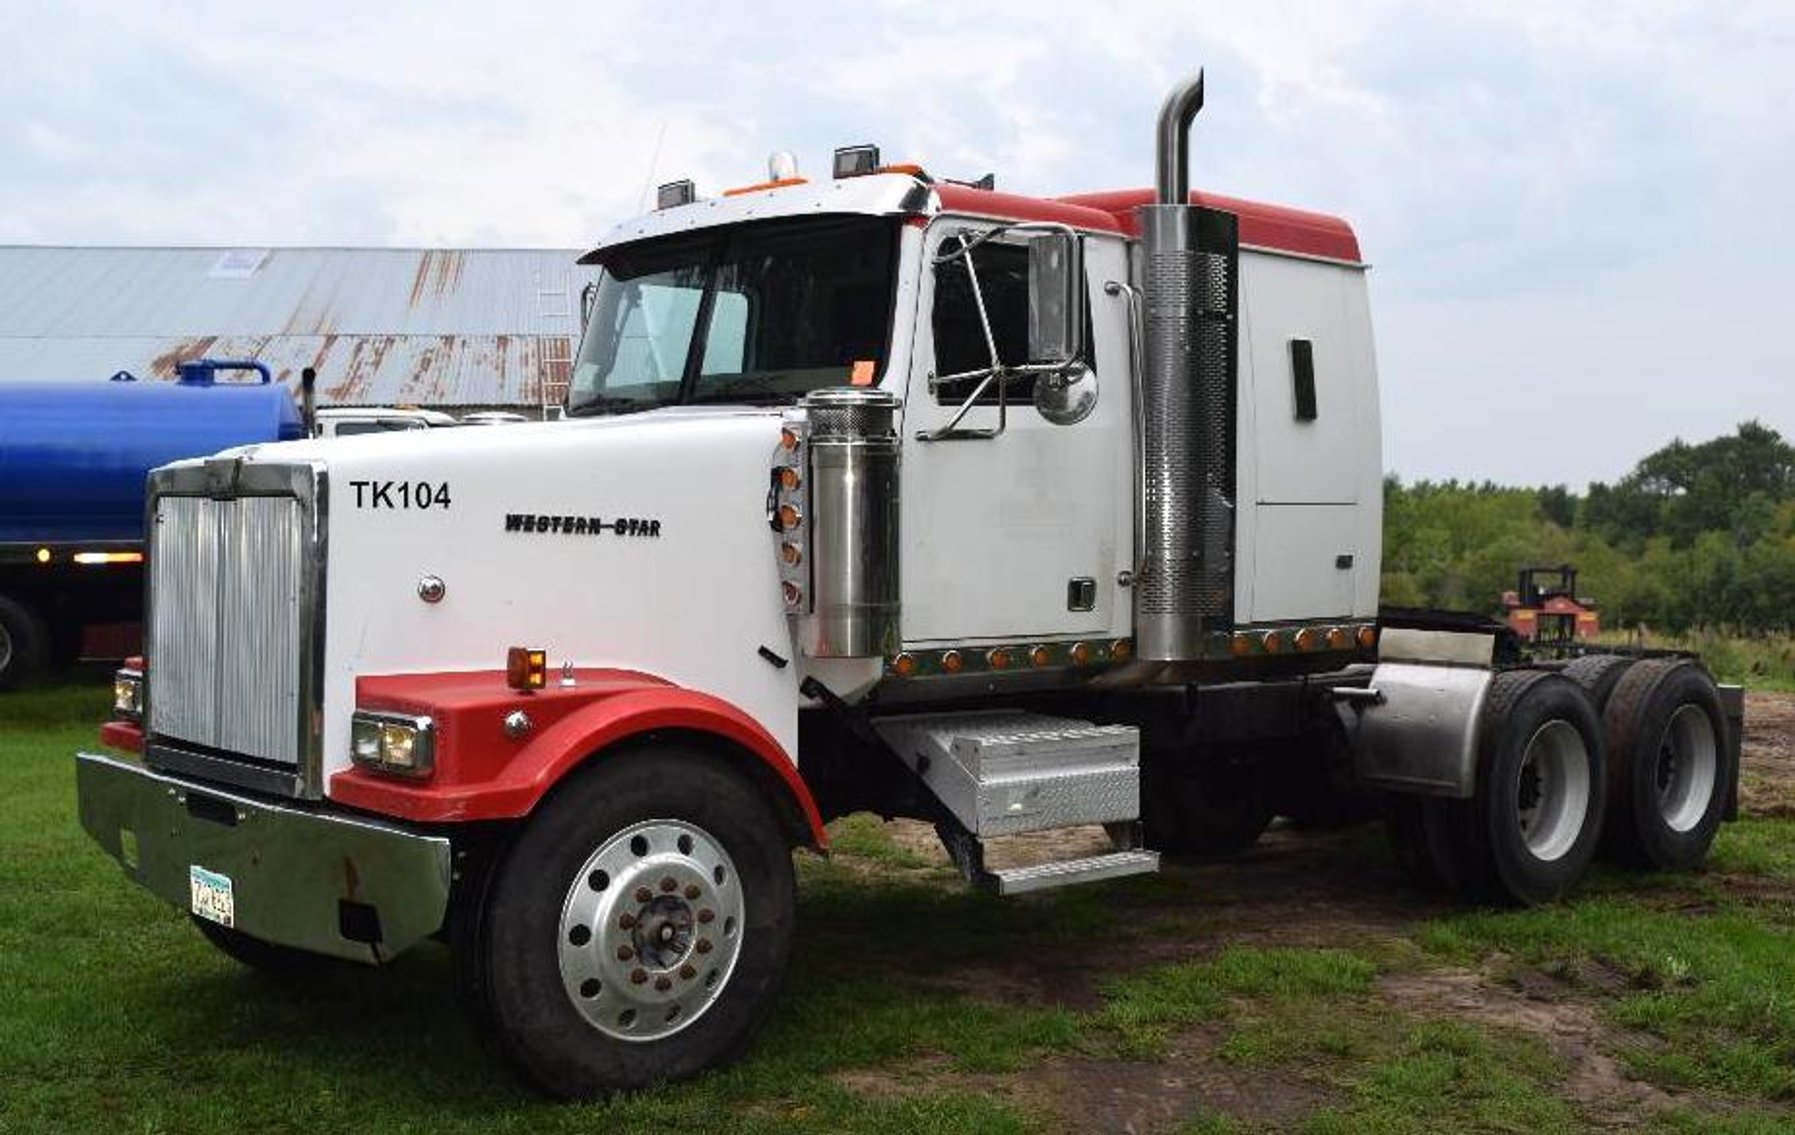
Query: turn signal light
526, 668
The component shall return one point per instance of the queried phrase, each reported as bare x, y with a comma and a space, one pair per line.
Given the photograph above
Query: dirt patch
1540, 1007
1107, 1096
1767, 763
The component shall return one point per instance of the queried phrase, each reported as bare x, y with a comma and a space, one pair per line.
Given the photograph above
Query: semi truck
876, 492
73, 460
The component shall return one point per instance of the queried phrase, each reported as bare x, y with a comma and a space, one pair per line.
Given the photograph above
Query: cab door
1022, 535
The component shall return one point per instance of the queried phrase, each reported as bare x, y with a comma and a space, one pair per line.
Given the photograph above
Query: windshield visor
758, 314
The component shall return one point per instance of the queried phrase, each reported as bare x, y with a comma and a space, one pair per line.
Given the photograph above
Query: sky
1577, 213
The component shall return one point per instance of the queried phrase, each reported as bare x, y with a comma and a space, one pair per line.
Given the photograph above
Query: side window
960, 345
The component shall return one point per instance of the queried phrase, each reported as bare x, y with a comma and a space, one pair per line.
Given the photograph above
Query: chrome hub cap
1688, 759
1552, 801
650, 930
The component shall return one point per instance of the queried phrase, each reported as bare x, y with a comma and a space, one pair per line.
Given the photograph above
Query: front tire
24, 643
638, 930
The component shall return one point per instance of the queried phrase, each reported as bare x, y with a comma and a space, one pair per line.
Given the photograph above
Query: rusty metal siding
469, 327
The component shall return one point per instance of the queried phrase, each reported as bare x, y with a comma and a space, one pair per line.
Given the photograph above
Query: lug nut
687, 973
691, 891
638, 976
627, 922
663, 984
704, 945
706, 915
669, 885
624, 953
643, 894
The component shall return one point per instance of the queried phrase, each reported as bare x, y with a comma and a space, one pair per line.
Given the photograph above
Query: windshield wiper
598, 404
754, 388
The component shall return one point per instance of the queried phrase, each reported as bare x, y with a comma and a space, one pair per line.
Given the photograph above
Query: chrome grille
228, 625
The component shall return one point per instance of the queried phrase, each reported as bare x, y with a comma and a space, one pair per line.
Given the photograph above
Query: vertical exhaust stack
1190, 280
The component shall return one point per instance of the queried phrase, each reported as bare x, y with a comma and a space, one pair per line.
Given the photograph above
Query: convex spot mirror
1055, 299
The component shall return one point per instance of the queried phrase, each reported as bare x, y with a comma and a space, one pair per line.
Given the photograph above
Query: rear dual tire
1528, 833
1671, 768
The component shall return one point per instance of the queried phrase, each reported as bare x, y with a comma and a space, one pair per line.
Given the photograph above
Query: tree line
1695, 536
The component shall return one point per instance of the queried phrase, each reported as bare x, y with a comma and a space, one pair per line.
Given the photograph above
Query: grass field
1302, 988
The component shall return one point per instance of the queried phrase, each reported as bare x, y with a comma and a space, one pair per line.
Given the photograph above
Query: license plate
213, 898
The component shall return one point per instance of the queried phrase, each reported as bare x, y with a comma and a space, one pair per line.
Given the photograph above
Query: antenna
653, 161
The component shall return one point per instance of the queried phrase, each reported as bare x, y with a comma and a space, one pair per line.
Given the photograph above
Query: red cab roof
1272, 227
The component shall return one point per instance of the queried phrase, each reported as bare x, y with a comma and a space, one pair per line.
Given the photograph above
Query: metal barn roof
462, 327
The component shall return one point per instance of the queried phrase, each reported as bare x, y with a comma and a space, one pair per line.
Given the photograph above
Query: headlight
127, 695
393, 742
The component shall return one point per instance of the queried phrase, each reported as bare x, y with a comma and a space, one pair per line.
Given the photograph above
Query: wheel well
786, 808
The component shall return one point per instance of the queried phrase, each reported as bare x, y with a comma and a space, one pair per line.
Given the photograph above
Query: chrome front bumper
344, 886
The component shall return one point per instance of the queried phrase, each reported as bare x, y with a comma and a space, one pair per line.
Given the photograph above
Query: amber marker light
43, 555
789, 517
1240, 645
793, 593
1040, 656
526, 668
1081, 654
1121, 650
1309, 638
791, 554
788, 478
1367, 637
952, 662
788, 440
1339, 638
998, 659
903, 665
1271, 642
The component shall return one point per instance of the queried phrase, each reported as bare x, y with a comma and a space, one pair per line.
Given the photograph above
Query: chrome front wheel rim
650, 930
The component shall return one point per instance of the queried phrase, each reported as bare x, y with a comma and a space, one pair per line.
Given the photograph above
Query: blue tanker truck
73, 458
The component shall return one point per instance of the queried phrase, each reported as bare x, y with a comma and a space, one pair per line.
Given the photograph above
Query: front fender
484, 774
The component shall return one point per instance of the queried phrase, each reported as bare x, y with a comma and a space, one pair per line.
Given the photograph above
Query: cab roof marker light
856, 161
675, 193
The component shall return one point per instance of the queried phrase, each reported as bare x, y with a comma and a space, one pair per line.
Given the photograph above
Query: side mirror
1055, 298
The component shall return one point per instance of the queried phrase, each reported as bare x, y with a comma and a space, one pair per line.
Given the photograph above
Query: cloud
1576, 197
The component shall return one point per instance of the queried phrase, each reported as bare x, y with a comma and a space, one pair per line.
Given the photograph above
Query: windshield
756, 313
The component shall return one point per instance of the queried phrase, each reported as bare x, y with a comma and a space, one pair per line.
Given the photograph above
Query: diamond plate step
1045, 876
1003, 772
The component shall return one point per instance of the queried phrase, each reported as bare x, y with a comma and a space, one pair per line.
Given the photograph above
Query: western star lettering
400, 494
580, 525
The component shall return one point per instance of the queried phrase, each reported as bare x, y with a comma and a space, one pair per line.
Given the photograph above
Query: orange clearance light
1240, 645
1367, 637
526, 668
1309, 638
43, 555
1121, 650
788, 478
903, 665
1040, 656
791, 554
1081, 653
1271, 642
1339, 638
951, 661
788, 439
789, 517
998, 659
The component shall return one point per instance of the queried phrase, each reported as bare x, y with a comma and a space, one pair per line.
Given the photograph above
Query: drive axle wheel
1529, 833
1670, 768
637, 930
